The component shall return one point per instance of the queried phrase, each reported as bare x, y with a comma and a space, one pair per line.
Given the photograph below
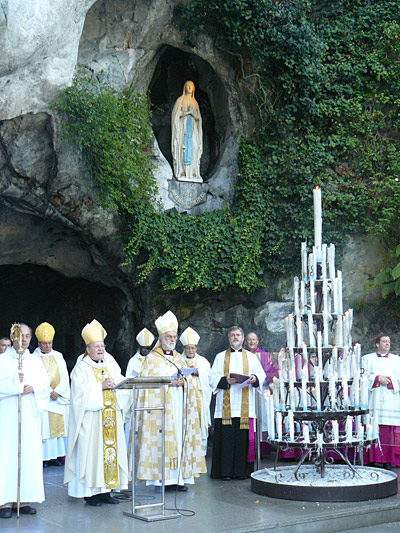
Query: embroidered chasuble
148, 430
109, 417
56, 421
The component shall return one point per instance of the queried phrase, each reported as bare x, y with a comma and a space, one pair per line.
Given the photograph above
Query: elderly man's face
168, 341
236, 339
45, 346
96, 350
383, 346
4, 344
26, 338
252, 342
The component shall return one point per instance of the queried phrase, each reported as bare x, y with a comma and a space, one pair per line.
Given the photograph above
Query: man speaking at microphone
183, 449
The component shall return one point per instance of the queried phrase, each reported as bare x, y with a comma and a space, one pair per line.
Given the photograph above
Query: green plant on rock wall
324, 79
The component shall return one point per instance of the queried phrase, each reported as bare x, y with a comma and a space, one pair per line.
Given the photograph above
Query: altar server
55, 414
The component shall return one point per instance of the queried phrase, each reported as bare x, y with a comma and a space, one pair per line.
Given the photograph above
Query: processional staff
16, 336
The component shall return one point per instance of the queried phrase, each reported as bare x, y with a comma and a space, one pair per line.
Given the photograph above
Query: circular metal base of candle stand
339, 484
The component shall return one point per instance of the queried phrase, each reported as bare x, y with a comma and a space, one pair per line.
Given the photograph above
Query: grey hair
235, 328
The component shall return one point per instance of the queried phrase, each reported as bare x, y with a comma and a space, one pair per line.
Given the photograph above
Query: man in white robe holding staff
33, 384
96, 460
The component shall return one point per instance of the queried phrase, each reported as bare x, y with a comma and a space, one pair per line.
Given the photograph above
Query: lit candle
317, 389
279, 424
349, 429
291, 425
345, 390
317, 217
304, 391
310, 329
306, 433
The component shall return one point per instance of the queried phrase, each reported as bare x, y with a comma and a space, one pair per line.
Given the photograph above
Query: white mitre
145, 337
189, 336
166, 322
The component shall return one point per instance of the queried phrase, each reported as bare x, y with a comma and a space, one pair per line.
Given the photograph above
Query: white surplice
54, 447
84, 464
32, 405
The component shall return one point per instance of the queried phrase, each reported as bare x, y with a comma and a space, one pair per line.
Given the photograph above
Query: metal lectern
153, 511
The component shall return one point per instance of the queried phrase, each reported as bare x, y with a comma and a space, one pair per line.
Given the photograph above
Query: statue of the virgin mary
187, 136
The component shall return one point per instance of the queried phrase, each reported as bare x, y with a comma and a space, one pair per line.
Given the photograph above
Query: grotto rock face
60, 259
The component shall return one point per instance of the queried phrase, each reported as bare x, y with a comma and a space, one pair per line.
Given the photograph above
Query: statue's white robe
32, 405
54, 447
84, 464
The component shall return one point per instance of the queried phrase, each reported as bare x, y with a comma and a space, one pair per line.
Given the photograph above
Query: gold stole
109, 418
56, 422
226, 399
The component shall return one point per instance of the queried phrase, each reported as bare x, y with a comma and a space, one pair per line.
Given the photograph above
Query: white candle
325, 291
279, 424
319, 347
375, 426
291, 425
357, 351
304, 371
306, 433
271, 428
331, 261
334, 360
346, 361
339, 331
296, 293
349, 429
291, 390
275, 392
317, 217
335, 431
287, 324
292, 330
317, 389
356, 387
304, 392
350, 319
345, 390
303, 300
311, 273
316, 255
369, 431
335, 296
304, 261
299, 326
360, 432
332, 390
323, 266
364, 393
326, 328
312, 296
310, 329
282, 389
267, 399
340, 291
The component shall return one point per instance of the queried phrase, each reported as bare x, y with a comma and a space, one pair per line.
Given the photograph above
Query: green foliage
324, 81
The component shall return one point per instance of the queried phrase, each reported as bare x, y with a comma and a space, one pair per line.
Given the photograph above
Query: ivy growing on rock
324, 79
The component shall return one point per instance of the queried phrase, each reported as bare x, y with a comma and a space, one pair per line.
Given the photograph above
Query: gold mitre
167, 322
145, 337
189, 336
93, 332
45, 332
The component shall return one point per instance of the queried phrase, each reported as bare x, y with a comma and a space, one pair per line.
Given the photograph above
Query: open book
185, 372
240, 378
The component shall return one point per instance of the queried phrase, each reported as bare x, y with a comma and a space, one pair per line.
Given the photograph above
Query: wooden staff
16, 335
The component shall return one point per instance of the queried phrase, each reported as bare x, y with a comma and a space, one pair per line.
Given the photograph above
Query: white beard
169, 347
236, 345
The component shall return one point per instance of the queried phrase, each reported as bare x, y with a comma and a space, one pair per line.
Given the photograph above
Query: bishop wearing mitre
96, 461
